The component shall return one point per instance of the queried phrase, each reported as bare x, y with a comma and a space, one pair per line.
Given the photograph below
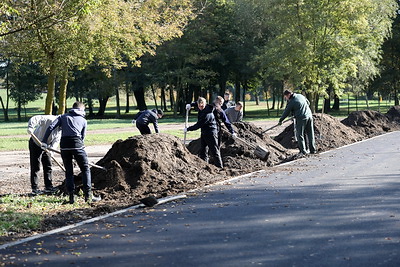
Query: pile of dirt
371, 123
393, 114
329, 133
238, 153
156, 164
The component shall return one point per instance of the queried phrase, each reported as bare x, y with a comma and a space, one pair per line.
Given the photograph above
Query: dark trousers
305, 126
143, 128
37, 155
209, 141
81, 158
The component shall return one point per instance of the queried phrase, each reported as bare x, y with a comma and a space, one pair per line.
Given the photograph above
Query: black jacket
205, 121
146, 116
220, 117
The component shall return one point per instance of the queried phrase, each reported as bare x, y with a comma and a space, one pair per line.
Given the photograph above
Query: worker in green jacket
298, 105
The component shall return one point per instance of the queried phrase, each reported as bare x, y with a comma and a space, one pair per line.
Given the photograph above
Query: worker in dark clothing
298, 105
209, 133
143, 119
73, 130
220, 117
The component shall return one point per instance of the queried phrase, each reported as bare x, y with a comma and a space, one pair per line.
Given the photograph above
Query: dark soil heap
156, 164
371, 123
238, 156
329, 133
393, 114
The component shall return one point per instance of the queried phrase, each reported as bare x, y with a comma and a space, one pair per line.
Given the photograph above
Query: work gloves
134, 122
188, 106
185, 130
234, 135
43, 146
30, 131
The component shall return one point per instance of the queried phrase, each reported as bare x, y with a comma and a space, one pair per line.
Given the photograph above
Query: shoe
71, 198
36, 192
299, 155
89, 197
50, 190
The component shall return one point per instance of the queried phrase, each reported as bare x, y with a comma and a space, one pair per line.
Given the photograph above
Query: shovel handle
47, 150
289, 119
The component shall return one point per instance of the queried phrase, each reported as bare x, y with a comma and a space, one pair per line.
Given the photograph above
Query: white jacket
38, 125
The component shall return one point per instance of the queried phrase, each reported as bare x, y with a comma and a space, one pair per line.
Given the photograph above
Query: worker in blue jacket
73, 127
145, 117
209, 131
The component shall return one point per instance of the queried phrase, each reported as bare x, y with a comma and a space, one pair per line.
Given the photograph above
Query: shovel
186, 125
37, 141
259, 151
58, 152
273, 127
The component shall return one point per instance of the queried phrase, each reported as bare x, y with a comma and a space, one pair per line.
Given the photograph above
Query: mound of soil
371, 123
156, 164
329, 133
393, 114
238, 153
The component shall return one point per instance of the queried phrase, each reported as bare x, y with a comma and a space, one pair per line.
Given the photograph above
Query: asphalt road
339, 208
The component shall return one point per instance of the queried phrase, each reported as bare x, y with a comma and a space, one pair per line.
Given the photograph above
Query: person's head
287, 94
160, 113
219, 101
78, 105
227, 96
201, 103
238, 106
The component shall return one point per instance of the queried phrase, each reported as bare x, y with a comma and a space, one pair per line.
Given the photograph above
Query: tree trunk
127, 97
237, 90
171, 98
63, 93
140, 99
102, 107
19, 108
154, 95
163, 99
51, 84
336, 103
5, 107
396, 97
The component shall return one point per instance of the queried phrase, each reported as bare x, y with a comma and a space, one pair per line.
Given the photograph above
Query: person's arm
287, 111
33, 122
240, 115
199, 124
226, 122
83, 132
53, 125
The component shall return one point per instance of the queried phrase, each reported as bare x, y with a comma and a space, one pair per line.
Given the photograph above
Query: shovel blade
261, 152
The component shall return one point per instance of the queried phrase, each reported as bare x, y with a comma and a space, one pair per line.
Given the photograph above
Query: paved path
340, 208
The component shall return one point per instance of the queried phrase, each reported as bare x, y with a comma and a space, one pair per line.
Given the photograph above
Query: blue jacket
73, 129
146, 116
205, 121
220, 117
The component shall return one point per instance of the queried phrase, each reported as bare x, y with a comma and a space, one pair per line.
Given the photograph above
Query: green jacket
298, 105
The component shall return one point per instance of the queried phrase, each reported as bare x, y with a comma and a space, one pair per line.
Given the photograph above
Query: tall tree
322, 43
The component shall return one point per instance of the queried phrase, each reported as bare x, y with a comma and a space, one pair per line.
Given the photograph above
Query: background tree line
178, 50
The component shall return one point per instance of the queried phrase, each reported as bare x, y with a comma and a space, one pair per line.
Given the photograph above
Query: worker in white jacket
38, 125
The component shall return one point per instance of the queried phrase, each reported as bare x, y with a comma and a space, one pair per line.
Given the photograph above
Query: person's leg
66, 156
47, 170
212, 143
143, 128
310, 135
83, 163
203, 153
34, 157
300, 126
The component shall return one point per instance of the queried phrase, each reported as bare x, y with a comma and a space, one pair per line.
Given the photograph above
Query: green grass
19, 214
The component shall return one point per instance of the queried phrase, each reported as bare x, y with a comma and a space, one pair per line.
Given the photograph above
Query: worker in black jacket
220, 117
143, 119
209, 132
